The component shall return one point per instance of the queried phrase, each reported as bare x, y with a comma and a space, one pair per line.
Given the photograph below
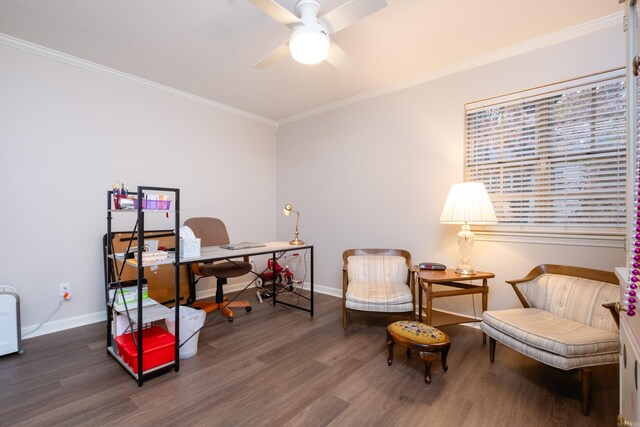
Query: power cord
45, 320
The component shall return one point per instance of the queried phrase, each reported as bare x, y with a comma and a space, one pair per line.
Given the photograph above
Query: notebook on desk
243, 245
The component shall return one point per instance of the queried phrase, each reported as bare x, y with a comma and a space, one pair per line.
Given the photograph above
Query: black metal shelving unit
112, 281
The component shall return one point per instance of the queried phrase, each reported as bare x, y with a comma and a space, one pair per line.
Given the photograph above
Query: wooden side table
449, 278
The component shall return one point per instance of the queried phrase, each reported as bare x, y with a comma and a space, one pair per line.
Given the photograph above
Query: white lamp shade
468, 203
309, 46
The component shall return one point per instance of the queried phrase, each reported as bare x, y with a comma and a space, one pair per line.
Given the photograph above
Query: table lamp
288, 209
467, 203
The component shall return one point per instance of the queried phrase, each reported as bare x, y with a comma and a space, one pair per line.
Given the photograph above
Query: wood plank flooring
278, 367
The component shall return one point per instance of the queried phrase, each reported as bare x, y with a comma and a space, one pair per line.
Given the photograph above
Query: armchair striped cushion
377, 283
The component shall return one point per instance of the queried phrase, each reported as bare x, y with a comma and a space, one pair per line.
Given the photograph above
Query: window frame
566, 234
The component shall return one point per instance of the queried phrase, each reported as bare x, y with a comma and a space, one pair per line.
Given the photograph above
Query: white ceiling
207, 47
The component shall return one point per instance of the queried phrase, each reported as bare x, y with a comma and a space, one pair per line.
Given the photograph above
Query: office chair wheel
248, 308
229, 319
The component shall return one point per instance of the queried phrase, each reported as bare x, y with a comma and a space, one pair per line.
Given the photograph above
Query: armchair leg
344, 317
492, 349
586, 389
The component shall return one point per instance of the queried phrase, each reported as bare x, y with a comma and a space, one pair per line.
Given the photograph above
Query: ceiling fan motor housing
309, 43
308, 9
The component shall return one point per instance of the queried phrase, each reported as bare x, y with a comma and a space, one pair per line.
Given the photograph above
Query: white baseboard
62, 324
87, 319
470, 324
325, 290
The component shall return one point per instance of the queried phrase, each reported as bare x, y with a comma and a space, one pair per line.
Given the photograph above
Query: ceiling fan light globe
309, 47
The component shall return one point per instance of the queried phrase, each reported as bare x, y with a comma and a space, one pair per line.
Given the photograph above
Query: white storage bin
191, 320
10, 337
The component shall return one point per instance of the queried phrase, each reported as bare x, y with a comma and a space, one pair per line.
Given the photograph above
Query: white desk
275, 249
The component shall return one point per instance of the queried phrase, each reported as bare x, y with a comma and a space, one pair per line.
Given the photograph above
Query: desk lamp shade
467, 203
288, 210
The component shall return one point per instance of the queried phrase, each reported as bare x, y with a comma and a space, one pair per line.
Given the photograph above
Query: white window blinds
553, 159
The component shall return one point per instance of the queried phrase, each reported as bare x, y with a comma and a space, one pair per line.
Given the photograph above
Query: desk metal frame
275, 249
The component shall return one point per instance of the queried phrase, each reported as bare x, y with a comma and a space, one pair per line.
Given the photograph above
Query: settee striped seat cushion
551, 339
378, 283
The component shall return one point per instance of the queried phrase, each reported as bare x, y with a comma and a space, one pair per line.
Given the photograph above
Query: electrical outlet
65, 290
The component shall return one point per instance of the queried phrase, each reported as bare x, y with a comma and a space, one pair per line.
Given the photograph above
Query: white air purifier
10, 341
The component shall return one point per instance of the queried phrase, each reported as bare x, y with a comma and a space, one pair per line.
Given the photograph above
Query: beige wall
67, 134
376, 173
370, 174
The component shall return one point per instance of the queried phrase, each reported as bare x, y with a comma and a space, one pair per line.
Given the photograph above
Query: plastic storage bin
158, 348
191, 320
10, 339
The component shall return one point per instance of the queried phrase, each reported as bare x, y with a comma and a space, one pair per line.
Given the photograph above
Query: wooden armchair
564, 323
377, 280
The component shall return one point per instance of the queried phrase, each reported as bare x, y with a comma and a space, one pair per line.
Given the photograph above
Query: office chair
212, 232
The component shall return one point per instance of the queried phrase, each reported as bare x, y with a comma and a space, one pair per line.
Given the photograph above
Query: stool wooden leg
428, 359
390, 344
445, 352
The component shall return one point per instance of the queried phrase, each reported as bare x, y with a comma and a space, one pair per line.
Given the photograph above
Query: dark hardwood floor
275, 366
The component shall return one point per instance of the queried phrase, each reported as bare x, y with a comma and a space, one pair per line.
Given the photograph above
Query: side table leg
429, 302
485, 299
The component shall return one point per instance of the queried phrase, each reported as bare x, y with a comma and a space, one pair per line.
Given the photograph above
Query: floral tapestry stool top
425, 339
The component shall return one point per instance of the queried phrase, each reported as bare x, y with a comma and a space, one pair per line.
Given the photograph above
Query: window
553, 159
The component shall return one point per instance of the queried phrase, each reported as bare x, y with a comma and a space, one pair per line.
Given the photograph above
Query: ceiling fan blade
339, 59
277, 54
343, 16
277, 12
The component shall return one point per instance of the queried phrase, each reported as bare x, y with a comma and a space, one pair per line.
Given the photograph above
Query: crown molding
129, 78
517, 49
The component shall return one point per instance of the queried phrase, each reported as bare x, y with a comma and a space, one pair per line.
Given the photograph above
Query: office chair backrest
210, 231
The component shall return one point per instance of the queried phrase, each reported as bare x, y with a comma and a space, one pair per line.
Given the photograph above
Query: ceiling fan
309, 42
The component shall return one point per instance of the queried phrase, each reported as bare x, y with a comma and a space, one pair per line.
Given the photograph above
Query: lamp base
465, 269
465, 246
296, 241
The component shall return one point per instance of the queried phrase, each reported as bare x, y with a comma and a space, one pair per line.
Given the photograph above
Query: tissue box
130, 295
189, 248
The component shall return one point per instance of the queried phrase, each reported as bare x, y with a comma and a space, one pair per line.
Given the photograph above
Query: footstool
427, 340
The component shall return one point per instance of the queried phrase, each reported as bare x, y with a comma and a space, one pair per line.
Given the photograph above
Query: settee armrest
613, 309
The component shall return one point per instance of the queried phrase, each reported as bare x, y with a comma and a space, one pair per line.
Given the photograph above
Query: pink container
155, 205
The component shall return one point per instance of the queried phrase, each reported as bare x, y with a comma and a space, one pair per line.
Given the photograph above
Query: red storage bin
158, 348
